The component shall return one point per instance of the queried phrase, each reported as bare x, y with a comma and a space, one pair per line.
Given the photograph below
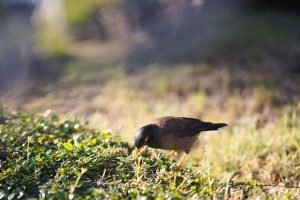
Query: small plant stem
137, 172
72, 190
208, 166
27, 151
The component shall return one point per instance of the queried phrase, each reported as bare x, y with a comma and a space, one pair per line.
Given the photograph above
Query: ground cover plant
50, 157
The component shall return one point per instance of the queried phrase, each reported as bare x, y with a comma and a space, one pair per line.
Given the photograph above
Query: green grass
257, 155
47, 156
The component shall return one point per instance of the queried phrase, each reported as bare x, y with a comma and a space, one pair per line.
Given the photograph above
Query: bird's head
142, 136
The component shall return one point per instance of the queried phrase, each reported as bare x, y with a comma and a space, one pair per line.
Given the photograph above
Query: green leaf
37, 157
68, 146
9, 170
93, 142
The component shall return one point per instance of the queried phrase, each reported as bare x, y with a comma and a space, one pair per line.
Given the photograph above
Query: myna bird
173, 133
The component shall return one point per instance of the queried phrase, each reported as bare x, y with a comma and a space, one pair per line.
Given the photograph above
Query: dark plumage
173, 133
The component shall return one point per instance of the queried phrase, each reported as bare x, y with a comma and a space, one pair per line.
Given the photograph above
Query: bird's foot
177, 167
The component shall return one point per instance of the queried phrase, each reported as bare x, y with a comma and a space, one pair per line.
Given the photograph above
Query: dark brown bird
173, 133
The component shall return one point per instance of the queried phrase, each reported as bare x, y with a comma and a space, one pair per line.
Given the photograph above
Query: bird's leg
181, 161
170, 154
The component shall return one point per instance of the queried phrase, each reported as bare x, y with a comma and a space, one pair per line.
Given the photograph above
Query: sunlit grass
259, 150
50, 157
58, 157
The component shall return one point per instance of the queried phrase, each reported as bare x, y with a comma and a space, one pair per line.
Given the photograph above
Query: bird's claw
177, 167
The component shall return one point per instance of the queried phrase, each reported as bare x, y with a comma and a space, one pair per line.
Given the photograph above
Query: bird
172, 133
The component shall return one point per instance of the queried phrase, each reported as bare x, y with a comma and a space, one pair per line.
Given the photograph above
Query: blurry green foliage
80, 12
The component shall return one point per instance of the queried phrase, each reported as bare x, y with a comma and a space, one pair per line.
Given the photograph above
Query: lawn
84, 150
50, 157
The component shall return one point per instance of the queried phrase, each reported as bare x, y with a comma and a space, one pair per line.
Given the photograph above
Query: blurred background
119, 64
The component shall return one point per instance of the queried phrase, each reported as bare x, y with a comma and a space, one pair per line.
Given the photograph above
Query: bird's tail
208, 126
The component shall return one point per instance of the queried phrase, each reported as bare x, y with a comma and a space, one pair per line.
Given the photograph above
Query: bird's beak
137, 150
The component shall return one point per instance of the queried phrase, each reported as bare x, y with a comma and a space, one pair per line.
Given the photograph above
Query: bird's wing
179, 126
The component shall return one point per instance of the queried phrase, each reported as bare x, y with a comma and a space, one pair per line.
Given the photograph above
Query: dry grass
259, 104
